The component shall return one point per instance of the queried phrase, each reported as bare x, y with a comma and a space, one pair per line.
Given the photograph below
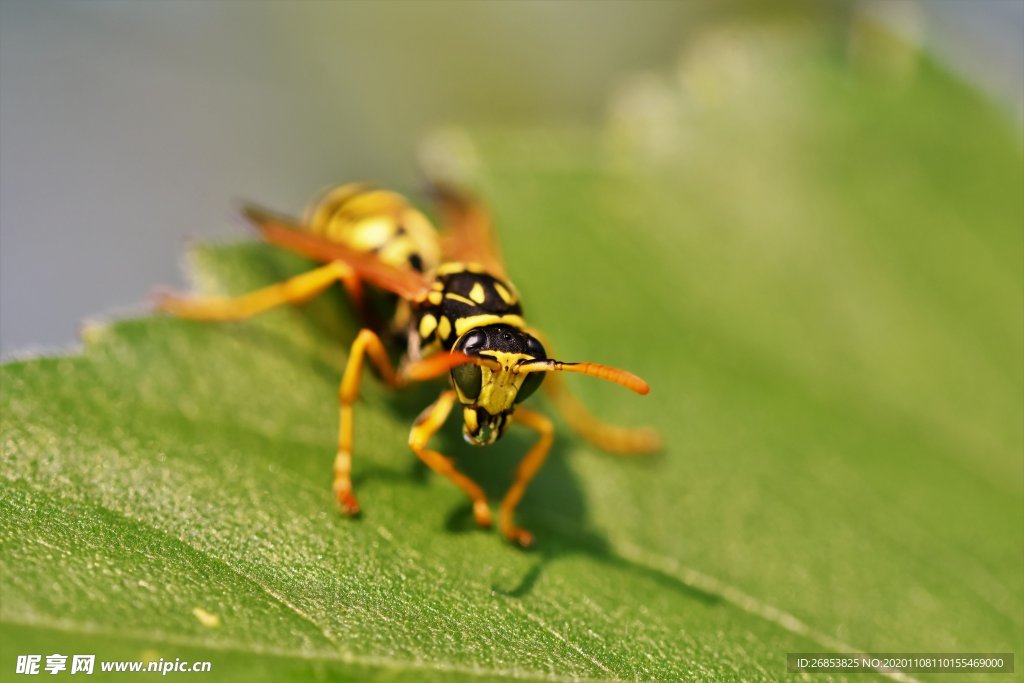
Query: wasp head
490, 391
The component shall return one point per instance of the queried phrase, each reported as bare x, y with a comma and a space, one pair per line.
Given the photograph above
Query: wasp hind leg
292, 291
426, 425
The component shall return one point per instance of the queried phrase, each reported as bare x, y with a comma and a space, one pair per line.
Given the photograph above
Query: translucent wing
287, 234
467, 232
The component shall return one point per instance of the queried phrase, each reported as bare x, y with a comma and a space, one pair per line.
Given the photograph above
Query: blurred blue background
128, 127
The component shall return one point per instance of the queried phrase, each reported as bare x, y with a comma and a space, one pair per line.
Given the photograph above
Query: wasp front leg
292, 291
525, 472
427, 424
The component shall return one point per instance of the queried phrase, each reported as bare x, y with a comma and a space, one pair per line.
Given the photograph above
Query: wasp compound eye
533, 380
535, 348
468, 378
471, 343
530, 385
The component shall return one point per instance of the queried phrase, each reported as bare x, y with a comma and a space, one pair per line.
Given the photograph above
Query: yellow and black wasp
457, 314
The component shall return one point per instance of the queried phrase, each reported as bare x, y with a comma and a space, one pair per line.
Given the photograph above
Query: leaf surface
822, 281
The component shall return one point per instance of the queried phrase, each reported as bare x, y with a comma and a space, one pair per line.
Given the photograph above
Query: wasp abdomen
376, 221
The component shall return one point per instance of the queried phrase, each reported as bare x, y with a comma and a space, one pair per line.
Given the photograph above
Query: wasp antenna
620, 377
440, 363
259, 216
252, 212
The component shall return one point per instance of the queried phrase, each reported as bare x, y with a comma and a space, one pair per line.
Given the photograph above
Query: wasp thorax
489, 393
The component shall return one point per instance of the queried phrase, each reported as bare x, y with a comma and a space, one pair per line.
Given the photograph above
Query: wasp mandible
456, 313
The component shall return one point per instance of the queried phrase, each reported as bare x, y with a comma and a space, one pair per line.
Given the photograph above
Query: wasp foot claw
346, 500
482, 514
519, 536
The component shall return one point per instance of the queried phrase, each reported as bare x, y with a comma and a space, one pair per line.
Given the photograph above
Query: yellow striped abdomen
376, 221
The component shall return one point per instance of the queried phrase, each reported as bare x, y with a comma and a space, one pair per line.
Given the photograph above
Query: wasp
455, 313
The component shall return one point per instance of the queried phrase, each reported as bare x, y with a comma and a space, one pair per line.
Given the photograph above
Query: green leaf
820, 271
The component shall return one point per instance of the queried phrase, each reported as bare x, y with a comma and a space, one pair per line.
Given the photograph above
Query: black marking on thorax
461, 295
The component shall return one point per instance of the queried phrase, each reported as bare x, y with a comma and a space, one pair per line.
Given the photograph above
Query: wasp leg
293, 291
608, 437
525, 473
366, 343
426, 425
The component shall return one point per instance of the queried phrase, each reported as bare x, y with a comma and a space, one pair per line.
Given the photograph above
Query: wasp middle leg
608, 437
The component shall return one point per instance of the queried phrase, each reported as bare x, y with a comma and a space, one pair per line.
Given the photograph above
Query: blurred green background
128, 127
803, 226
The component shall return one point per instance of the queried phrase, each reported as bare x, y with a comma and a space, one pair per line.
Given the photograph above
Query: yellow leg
525, 473
293, 291
366, 343
427, 424
608, 437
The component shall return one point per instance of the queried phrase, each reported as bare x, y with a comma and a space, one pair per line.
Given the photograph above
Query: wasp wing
287, 234
467, 232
